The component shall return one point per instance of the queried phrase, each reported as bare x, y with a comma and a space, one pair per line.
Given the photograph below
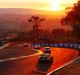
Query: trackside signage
65, 45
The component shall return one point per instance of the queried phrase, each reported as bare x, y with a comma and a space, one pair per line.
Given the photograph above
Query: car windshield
47, 49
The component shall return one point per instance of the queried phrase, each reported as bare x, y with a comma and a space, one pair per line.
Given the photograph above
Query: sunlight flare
56, 5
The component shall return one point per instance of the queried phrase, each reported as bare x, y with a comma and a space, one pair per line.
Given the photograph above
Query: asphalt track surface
30, 65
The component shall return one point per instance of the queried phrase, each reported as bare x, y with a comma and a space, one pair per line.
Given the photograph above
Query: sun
55, 5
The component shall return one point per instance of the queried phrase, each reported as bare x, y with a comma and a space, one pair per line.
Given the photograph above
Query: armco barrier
64, 45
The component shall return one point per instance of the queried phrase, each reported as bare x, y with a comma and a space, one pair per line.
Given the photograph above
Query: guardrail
64, 45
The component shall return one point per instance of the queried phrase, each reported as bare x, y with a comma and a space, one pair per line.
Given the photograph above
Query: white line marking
4, 46
9, 59
63, 65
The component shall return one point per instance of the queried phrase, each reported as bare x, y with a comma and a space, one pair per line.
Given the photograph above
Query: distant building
7, 36
11, 36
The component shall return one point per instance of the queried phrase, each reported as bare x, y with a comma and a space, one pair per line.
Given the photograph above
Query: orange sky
37, 4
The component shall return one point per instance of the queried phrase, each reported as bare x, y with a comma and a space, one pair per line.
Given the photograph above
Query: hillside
17, 19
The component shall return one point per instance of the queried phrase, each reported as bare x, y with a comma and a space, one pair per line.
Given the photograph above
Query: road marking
15, 58
4, 46
69, 62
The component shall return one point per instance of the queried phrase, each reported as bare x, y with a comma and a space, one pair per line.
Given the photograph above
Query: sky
37, 4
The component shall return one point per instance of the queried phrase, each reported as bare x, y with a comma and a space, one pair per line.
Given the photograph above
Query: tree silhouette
36, 26
72, 18
36, 21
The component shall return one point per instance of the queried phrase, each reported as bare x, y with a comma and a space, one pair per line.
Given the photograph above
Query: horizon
38, 4
31, 11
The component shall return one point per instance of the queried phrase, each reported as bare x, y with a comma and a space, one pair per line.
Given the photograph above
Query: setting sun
56, 5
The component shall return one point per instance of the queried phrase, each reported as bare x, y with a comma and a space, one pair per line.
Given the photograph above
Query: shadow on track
43, 67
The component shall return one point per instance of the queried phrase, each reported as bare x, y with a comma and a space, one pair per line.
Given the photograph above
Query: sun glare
55, 5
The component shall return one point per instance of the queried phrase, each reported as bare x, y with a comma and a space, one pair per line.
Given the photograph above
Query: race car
45, 58
37, 47
47, 50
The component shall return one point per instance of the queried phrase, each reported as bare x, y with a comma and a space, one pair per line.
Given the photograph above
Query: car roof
47, 47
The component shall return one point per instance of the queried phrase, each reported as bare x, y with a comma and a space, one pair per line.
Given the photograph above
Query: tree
36, 21
36, 26
72, 18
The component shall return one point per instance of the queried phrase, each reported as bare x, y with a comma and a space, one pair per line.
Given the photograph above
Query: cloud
26, 5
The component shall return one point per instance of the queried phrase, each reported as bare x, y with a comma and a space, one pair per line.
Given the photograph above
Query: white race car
37, 47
